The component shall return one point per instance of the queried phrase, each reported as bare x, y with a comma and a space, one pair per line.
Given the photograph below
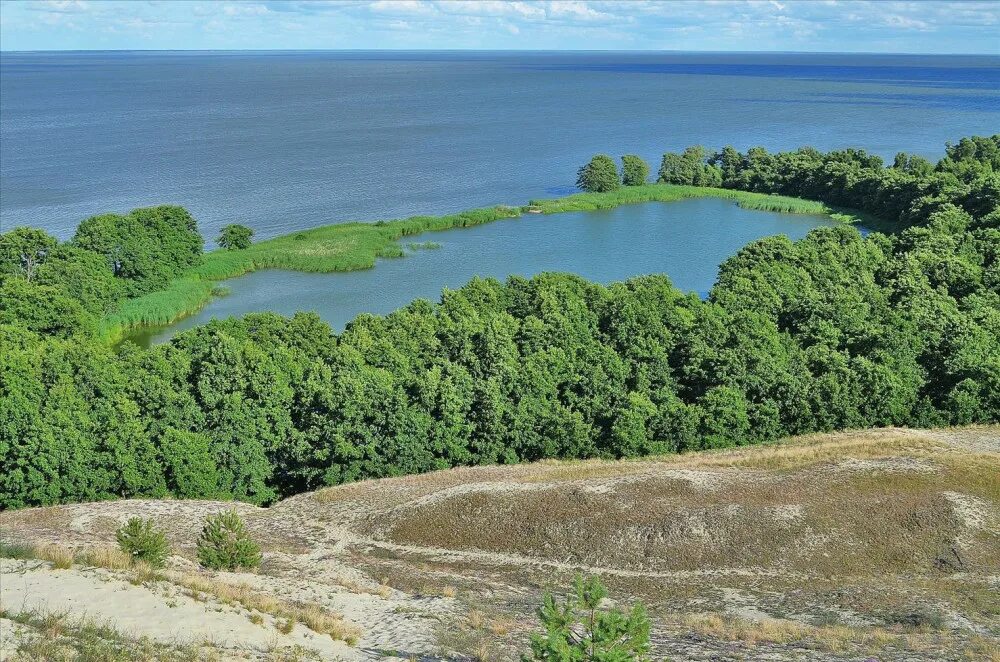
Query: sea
283, 140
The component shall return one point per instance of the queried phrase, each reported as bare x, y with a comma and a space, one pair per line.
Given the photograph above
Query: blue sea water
289, 140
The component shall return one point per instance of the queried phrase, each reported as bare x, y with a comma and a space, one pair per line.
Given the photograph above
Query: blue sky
713, 25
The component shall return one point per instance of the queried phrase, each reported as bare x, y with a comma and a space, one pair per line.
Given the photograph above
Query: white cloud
245, 10
905, 22
60, 5
492, 8
402, 7
577, 10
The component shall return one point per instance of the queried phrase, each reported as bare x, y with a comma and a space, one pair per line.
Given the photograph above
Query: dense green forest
833, 331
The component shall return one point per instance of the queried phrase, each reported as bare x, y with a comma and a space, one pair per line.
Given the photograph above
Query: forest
837, 330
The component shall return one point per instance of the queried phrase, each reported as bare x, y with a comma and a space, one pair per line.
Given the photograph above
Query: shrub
580, 629
224, 544
142, 541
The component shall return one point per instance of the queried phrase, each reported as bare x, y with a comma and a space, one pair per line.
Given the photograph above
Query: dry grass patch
857, 504
46, 518
502, 626
831, 638
811, 450
483, 653
141, 573
54, 637
568, 470
981, 648
60, 557
313, 616
476, 619
105, 557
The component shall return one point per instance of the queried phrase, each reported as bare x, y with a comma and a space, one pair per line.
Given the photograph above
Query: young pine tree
580, 630
142, 541
224, 544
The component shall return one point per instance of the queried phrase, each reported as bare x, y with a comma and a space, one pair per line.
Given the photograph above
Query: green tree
82, 275
45, 309
580, 629
689, 168
599, 175
22, 250
729, 162
189, 466
635, 171
235, 237
146, 247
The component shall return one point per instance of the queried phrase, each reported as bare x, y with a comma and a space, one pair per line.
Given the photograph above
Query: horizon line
481, 50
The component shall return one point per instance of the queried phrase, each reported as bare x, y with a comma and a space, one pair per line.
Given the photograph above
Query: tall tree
635, 171
599, 175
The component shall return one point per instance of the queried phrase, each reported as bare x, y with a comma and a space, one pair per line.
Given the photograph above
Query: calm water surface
685, 240
289, 140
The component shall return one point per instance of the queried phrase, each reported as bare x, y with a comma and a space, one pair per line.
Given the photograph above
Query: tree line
832, 331
903, 194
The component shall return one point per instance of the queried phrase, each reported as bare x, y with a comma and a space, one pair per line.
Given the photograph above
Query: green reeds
671, 193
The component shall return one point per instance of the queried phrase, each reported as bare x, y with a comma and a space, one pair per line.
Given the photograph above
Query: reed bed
355, 246
672, 193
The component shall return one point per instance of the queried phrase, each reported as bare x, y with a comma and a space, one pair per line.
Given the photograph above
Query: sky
708, 25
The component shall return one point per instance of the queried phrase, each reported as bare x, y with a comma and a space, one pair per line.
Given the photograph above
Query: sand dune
882, 542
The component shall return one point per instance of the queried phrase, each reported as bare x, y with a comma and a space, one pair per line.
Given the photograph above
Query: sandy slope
894, 531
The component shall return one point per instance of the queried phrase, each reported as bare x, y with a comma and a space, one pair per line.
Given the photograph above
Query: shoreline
355, 246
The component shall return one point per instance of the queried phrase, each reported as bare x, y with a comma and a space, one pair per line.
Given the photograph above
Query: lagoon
687, 240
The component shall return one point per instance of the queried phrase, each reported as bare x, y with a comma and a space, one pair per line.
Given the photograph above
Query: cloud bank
713, 25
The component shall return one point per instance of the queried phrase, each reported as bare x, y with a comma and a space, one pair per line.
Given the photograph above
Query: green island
831, 332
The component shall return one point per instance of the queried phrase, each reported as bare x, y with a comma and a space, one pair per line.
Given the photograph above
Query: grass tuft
60, 557
105, 557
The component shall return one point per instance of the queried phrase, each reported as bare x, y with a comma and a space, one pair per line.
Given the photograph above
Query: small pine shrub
224, 544
581, 629
142, 541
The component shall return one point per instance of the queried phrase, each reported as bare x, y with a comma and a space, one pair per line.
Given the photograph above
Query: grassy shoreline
356, 245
